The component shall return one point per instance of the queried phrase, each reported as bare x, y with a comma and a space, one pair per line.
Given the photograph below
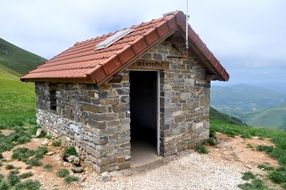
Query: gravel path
189, 170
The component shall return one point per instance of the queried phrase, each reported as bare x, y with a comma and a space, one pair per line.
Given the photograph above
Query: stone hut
109, 95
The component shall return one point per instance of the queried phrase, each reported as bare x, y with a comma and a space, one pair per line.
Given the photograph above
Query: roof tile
84, 64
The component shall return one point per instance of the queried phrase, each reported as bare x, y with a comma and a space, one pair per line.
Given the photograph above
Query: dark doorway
143, 107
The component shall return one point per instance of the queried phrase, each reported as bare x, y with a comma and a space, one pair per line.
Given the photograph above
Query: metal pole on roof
187, 25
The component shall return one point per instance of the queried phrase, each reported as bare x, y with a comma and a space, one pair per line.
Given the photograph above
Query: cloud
243, 34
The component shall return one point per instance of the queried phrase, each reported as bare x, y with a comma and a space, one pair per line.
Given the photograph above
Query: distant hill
274, 117
239, 100
18, 59
214, 114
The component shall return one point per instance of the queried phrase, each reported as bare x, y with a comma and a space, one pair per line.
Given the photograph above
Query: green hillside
18, 59
214, 114
17, 100
274, 117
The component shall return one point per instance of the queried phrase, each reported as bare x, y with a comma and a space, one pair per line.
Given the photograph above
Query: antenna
183, 56
187, 25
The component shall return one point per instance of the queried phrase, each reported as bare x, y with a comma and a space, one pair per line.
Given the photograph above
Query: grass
265, 167
4, 185
28, 185
69, 179
200, 148
14, 181
63, 173
256, 184
26, 175
48, 167
19, 136
278, 151
17, 100
56, 143
248, 176
232, 130
212, 141
30, 157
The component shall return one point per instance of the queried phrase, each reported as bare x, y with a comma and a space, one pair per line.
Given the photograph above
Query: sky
247, 36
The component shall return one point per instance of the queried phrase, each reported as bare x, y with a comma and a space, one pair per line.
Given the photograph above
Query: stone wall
184, 98
96, 119
93, 119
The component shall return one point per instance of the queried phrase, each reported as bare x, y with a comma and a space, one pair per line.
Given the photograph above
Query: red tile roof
82, 63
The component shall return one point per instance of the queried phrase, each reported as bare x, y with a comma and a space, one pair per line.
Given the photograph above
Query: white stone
177, 113
96, 95
39, 132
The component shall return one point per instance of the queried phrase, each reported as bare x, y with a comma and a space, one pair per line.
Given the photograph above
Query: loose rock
39, 132
104, 177
50, 153
77, 169
76, 161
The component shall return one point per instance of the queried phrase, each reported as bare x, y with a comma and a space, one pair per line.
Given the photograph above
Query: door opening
144, 114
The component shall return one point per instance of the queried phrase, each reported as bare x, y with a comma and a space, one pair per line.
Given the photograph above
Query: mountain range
261, 105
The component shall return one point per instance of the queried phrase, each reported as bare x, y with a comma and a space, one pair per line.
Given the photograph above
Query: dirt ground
241, 151
48, 179
221, 168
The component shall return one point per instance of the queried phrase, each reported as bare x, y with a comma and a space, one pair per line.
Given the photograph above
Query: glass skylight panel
115, 37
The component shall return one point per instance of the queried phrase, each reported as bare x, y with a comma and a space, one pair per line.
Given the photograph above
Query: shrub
277, 176
265, 167
4, 185
48, 167
40, 152
14, 172
201, 149
34, 162
1, 177
56, 143
70, 179
255, 184
28, 185
13, 179
267, 149
30, 157
26, 175
63, 172
70, 151
248, 176
9, 167
212, 141
22, 154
